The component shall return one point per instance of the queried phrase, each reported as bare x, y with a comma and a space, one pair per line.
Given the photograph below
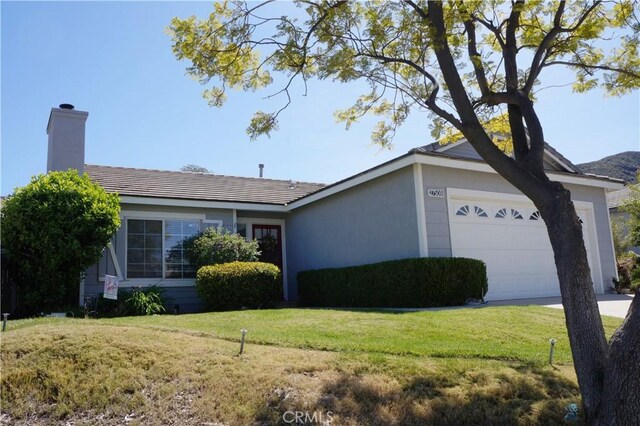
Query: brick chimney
66, 130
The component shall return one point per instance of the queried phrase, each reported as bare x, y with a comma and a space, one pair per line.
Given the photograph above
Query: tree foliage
55, 228
474, 68
619, 233
392, 45
216, 245
194, 168
632, 206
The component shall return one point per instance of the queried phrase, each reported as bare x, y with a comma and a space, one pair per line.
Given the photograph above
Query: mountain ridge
623, 165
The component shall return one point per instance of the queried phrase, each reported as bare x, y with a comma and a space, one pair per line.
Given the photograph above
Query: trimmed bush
214, 246
54, 228
406, 283
235, 285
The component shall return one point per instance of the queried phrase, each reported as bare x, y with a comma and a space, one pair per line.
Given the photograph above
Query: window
515, 214
535, 215
466, 211
154, 248
502, 213
207, 223
463, 211
144, 248
175, 232
479, 211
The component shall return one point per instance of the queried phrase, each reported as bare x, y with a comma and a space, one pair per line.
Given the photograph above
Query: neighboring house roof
198, 186
551, 151
615, 198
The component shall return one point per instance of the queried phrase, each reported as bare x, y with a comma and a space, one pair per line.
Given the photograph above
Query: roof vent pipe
66, 106
261, 167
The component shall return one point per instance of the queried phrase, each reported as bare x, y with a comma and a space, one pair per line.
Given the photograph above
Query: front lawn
510, 332
455, 367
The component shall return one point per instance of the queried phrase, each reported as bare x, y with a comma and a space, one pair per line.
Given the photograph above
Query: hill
622, 166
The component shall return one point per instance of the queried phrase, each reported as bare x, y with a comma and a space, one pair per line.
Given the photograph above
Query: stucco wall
372, 222
185, 296
369, 223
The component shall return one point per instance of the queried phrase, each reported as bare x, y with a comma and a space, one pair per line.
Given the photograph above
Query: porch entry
269, 238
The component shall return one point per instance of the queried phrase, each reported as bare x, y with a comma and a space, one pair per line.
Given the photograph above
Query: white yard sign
110, 287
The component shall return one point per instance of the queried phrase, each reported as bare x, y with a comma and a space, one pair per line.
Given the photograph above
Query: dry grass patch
88, 373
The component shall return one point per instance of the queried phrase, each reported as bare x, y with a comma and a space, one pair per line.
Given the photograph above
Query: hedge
406, 283
236, 285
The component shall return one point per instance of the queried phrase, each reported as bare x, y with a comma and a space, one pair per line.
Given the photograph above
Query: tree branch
594, 67
472, 128
418, 9
491, 27
425, 73
535, 154
474, 55
313, 29
510, 50
542, 51
430, 102
496, 98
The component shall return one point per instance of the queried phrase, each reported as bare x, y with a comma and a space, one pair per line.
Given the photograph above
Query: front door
269, 238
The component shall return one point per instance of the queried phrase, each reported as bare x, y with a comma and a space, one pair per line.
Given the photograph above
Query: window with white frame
175, 232
155, 250
208, 223
144, 248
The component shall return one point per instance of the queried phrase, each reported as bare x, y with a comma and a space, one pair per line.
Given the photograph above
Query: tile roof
436, 146
615, 198
198, 186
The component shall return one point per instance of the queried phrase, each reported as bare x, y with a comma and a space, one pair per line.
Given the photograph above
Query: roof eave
187, 202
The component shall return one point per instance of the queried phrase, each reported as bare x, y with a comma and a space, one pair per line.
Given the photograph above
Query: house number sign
435, 192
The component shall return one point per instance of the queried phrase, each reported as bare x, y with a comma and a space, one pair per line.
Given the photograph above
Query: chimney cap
66, 106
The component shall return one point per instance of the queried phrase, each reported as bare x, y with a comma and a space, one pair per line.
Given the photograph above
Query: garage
508, 234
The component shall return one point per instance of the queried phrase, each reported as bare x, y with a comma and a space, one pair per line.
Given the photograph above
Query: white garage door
511, 238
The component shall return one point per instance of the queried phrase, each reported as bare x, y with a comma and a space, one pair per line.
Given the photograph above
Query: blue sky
114, 60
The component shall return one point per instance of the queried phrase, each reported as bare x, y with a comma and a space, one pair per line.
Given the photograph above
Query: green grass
451, 367
510, 333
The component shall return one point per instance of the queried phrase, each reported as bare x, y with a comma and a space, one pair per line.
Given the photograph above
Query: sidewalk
615, 305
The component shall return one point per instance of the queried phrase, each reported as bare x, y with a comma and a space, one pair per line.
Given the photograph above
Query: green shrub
239, 284
54, 228
406, 283
146, 301
134, 301
214, 246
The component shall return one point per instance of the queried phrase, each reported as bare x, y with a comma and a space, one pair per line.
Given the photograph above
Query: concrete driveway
614, 305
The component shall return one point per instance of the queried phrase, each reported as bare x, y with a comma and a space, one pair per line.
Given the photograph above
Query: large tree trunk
608, 376
586, 333
621, 390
